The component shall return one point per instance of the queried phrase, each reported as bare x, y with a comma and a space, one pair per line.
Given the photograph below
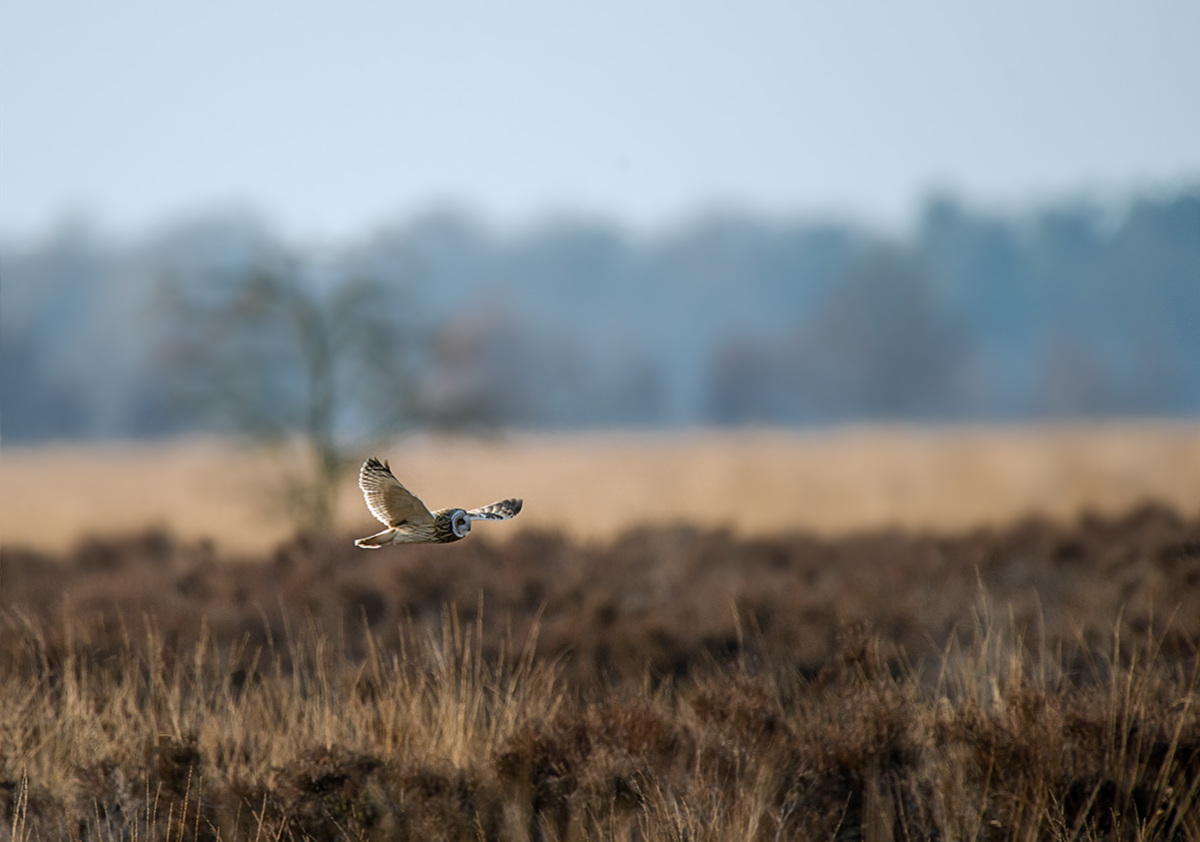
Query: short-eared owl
406, 518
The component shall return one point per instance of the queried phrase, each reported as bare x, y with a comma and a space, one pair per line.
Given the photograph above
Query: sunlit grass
431, 740
1035, 682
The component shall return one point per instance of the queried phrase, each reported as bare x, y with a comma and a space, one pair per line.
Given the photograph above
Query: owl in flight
406, 518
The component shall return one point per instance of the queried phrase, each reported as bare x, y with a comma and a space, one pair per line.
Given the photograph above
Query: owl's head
460, 524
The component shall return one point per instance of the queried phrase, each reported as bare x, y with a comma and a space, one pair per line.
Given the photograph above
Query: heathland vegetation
1033, 682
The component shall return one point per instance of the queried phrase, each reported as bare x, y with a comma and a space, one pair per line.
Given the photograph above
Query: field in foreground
1032, 682
595, 486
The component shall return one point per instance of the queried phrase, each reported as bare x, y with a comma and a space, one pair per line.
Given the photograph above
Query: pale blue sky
334, 118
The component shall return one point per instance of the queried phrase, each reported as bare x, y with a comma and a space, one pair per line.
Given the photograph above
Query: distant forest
1067, 311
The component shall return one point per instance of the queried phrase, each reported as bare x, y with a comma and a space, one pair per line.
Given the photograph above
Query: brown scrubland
1036, 680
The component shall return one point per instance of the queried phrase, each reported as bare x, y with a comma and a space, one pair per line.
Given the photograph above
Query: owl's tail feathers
379, 539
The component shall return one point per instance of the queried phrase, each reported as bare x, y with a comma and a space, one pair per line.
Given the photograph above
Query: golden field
594, 486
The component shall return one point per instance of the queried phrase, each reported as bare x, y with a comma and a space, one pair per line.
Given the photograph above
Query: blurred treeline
1066, 311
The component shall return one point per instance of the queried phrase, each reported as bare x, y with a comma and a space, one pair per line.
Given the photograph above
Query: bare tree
281, 350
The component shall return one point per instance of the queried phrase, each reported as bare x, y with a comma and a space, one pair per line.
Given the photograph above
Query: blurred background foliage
214, 325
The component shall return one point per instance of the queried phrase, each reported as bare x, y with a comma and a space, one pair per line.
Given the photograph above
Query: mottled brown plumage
407, 519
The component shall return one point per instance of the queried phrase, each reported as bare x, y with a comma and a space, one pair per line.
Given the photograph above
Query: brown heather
1035, 682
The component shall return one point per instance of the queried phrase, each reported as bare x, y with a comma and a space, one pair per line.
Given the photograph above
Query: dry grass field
860, 635
596, 486
1035, 682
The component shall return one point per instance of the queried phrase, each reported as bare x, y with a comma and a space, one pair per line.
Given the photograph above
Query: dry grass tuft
440, 744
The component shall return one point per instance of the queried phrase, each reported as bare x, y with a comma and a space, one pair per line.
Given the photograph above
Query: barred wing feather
502, 510
390, 502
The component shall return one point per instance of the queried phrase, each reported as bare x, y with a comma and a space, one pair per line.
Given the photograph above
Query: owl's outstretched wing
388, 500
496, 511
